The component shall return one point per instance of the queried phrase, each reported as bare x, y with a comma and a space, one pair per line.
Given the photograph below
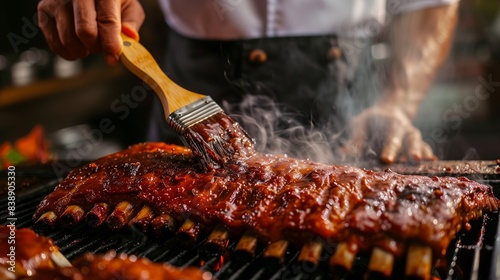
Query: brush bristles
213, 136
218, 140
192, 114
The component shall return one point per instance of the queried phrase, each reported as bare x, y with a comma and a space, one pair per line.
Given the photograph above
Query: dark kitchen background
72, 100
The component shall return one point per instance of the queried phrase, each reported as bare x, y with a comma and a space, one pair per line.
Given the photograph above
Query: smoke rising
278, 130
264, 120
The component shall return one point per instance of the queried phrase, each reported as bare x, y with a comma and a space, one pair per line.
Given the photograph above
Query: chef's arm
74, 29
419, 41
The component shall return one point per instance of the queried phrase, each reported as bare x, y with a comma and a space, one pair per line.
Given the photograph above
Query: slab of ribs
274, 199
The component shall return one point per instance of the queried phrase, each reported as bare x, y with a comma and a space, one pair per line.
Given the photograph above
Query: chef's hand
388, 125
75, 28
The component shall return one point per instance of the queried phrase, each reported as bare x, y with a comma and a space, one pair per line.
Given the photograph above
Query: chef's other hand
391, 131
75, 28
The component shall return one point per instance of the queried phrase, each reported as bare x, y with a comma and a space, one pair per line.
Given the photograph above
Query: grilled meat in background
36, 257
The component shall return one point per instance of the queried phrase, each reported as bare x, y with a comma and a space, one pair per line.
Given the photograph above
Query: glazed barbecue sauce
278, 197
218, 140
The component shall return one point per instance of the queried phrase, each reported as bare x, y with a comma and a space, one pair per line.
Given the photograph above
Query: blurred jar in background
65, 68
30, 66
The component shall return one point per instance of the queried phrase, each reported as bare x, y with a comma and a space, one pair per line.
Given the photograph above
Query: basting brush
213, 136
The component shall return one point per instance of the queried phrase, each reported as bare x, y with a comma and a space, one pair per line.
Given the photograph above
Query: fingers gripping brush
213, 136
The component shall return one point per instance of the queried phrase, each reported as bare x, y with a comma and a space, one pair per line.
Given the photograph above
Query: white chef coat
246, 19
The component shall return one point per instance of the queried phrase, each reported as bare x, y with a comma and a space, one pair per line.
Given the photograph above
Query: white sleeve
400, 6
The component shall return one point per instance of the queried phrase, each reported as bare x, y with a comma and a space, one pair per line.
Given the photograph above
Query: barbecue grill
474, 254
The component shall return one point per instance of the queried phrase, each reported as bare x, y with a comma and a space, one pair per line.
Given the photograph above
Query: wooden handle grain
139, 61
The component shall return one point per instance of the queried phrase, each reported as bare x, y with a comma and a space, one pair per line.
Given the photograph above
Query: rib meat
277, 197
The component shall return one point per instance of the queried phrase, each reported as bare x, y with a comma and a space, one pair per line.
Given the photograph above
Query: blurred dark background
70, 99
460, 118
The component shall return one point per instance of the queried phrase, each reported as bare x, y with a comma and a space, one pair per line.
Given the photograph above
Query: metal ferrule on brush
189, 115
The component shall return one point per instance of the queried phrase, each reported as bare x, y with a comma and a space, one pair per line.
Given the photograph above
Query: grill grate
472, 255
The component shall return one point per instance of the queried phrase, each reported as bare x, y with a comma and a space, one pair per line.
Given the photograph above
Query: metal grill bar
495, 262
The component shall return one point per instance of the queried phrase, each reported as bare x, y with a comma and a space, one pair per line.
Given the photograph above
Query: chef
307, 58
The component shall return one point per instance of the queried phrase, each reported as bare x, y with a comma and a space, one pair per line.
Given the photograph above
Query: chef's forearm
420, 41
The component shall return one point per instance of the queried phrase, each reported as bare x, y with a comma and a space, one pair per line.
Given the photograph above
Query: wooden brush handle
139, 61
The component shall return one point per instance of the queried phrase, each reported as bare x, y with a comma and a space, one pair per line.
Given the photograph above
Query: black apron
294, 81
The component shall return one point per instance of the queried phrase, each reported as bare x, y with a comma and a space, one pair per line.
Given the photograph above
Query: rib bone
59, 259
189, 231
311, 253
143, 218
344, 256
46, 222
217, 240
276, 251
381, 262
419, 261
73, 215
121, 215
245, 249
163, 225
98, 214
